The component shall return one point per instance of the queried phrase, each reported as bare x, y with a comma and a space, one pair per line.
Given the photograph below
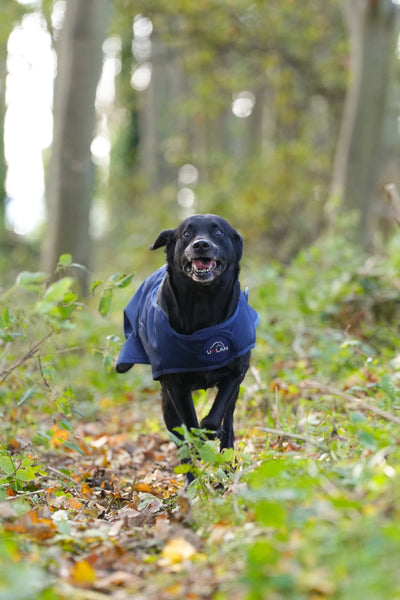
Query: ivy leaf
95, 285
65, 260
125, 281
7, 464
73, 446
209, 453
30, 281
105, 302
27, 474
54, 294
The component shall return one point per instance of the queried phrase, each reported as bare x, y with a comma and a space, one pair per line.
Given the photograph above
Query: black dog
192, 323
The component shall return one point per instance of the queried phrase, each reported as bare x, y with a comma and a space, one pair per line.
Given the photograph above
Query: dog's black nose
201, 245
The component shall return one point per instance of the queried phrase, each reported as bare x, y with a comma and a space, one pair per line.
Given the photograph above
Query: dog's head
203, 247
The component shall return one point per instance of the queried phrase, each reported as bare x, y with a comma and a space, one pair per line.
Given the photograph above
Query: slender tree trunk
3, 167
373, 28
70, 178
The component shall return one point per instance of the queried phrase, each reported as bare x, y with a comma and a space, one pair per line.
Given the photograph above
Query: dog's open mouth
204, 265
203, 269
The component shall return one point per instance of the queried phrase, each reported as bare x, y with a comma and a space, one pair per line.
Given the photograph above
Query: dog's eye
186, 234
218, 233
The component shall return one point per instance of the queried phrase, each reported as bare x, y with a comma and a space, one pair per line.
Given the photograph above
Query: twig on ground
331, 391
26, 493
294, 436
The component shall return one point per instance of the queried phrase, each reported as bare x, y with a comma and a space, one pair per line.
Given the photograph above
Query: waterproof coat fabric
151, 340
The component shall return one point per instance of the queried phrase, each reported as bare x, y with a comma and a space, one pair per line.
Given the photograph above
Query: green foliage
326, 518
44, 330
306, 506
320, 508
16, 472
116, 281
19, 579
202, 457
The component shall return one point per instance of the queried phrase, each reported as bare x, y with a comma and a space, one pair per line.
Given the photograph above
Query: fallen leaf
118, 578
143, 487
148, 503
183, 512
116, 528
83, 573
100, 442
59, 437
176, 551
74, 504
34, 525
86, 490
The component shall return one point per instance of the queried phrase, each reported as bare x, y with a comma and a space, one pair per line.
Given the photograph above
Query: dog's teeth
203, 270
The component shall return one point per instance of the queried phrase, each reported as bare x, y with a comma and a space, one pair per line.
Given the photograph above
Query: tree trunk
373, 28
3, 168
70, 178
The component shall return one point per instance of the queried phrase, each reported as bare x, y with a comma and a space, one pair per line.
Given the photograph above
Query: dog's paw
213, 433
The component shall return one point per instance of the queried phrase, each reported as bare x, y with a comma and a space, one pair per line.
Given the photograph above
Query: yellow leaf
83, 573
176, 551
143, 487
175, 590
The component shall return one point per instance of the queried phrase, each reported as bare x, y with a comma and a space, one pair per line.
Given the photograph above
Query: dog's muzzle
202, 265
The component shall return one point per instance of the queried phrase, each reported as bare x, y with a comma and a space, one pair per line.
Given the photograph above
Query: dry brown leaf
117, 579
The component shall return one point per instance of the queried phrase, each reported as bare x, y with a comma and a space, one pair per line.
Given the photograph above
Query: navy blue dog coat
151, 340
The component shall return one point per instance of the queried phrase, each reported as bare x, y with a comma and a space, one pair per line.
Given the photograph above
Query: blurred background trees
282, 120
374, 31
70, 177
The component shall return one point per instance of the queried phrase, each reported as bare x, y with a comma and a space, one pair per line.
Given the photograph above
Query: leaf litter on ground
115, 514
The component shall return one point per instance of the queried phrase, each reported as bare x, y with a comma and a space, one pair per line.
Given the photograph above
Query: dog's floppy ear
237, 241
163, 239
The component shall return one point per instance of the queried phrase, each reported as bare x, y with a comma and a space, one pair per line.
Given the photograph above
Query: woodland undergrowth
307, 506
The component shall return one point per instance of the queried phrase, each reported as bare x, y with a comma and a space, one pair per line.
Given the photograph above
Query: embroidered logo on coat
217, 348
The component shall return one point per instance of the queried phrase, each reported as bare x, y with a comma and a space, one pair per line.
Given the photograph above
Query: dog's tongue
204, 264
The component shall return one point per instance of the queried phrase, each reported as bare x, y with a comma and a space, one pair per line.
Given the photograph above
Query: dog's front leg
178, 409
220, 417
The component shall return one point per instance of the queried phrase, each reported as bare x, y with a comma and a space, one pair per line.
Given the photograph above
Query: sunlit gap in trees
31, 65
141, 50
31, 68
243, 104
105, 96
188, 176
